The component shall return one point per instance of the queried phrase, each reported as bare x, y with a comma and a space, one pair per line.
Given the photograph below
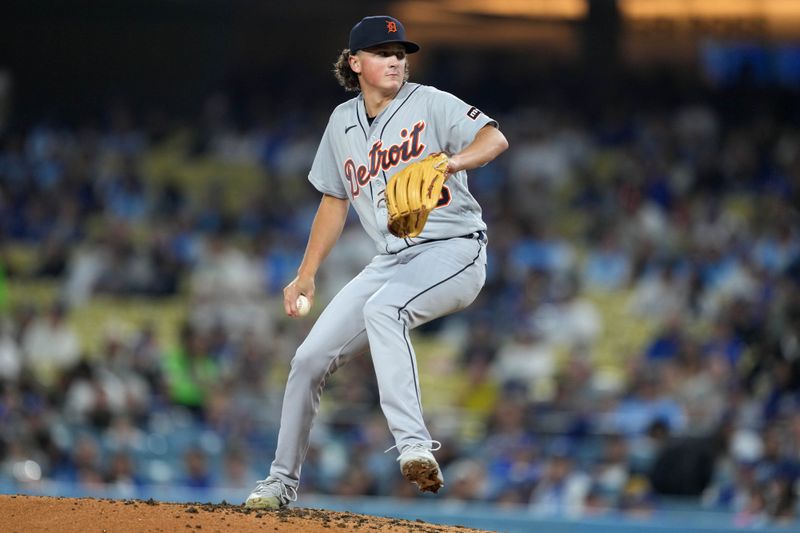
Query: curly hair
345, 75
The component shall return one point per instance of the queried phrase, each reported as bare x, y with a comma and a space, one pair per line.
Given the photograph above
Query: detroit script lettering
381, 158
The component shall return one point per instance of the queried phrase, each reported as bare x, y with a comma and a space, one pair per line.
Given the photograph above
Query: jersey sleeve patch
473, 112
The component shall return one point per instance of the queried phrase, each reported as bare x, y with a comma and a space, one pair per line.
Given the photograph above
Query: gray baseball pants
375, 312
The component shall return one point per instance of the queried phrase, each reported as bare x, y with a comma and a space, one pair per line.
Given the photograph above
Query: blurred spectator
358, 479
701, 387
227, 288
731, 490
668, 342
636, 499
684, 465
612, 471
480, 392
526, 359
645, 448
660, 295
121, 476
122, 435
87, 399
466, 480
197, 474
84, 464
236, 472
607, 267
569, 320
753, 514
563, 488
647, 402
10, 353
190, 371
51, 345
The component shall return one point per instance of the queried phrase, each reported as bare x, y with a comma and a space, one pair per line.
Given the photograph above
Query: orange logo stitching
391, 26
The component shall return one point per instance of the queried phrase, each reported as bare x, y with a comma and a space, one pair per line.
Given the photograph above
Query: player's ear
355, 63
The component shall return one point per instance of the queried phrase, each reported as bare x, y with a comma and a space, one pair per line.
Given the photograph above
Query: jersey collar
401, 95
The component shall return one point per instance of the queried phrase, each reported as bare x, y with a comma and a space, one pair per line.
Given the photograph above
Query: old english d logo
391, 26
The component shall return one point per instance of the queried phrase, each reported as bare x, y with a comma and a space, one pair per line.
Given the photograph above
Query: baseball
303, 306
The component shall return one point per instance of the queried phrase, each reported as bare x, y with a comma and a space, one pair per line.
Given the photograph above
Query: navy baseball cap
380, 29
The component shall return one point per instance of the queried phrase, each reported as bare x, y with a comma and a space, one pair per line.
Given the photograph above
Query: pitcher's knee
310, 364
375, 309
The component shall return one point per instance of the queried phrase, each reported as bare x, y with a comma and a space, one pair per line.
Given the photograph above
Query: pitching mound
23, 514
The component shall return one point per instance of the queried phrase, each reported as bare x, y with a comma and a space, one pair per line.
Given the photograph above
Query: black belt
480, 235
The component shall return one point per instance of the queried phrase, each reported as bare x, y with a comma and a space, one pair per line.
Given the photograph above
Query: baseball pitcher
398, 153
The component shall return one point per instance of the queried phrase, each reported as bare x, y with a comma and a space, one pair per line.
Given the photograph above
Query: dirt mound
22, 514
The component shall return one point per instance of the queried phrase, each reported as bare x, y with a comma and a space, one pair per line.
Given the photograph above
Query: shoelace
431, 445
290, 493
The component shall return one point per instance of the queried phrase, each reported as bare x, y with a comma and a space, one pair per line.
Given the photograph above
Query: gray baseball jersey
355, 159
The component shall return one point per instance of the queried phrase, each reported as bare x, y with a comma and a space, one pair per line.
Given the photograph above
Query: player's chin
394, 82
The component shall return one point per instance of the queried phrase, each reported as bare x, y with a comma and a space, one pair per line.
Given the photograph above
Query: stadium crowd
685, 212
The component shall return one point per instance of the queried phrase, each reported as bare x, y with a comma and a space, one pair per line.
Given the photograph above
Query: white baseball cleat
419, 466
271, 493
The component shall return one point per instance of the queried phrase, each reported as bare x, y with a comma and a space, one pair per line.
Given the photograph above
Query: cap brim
411, 47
